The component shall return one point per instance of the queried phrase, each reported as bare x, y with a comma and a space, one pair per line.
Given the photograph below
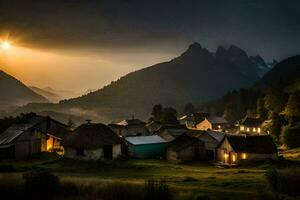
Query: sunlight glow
5, 45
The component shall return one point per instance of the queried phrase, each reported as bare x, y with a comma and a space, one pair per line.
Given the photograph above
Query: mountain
15, 93
195, 76
282, 80
50, 95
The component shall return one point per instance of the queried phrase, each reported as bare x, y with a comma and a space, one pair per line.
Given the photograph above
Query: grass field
195, 179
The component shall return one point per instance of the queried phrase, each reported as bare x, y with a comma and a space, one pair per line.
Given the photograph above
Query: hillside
283, 79
195, 76
50, 95
15, 93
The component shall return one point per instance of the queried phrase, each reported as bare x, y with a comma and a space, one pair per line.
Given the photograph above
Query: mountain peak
194, 49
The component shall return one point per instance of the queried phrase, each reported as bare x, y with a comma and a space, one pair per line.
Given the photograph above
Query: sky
82, 45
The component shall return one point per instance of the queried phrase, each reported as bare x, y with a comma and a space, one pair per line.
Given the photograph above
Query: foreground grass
195, 179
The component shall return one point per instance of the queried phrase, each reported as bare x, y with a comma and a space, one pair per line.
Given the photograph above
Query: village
198, 137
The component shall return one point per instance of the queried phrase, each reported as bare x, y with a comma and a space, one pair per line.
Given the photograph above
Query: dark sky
268, 27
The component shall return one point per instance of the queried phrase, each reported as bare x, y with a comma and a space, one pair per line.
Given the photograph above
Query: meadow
200, 180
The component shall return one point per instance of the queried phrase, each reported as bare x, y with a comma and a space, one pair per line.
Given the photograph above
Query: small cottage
213, 123
234, 149
185, 148
251, 126
129, 127
146, 146
32, 134
170, 132
93, 142
211, 139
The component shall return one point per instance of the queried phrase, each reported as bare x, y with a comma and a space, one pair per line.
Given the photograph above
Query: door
108, 152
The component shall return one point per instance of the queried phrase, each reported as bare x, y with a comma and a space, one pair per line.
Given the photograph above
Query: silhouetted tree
170, 116
292, 109
262, 112
157, 112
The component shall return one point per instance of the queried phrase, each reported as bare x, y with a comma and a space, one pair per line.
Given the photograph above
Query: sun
5, 45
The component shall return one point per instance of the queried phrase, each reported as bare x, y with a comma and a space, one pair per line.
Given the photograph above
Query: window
219, 126
233, 158
80, 152
242, 128
248, 129
244, 156
254, 129
258, 130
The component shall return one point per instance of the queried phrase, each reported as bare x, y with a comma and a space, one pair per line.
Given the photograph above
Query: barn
93, 142
185, 148
234, 149
146, 146
32, 134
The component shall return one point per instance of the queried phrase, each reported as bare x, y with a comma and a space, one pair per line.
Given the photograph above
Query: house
234, 149
93, 142
146, 146
170, 132
185, 148
252, 126
190, 120
129, 127
32, 134
213, 123
211, 139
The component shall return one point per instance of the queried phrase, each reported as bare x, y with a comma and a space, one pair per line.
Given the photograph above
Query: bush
291, 136
41, 184
158, 190
284, 181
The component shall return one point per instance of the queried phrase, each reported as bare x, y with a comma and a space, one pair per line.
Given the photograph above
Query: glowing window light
258, 130
242, 128
244, 156
254, 129
219, 126
248, 129
233, 158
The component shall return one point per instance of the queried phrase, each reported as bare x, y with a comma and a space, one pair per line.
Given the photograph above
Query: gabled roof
17, 129
128, 122
179, 127
217, 136
91, 136
252, 122
262, 144
182, 142
139, 140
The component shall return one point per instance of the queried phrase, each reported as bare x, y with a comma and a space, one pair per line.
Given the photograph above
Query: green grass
192, 179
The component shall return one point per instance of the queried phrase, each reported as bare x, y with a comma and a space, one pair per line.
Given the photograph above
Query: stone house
93, 142
235, 149
185, 148
129, 127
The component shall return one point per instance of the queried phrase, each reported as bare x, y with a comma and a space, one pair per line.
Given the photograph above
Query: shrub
41, 184
291, 136
158, 190
285, 181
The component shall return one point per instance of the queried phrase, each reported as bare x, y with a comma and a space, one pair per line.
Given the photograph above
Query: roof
182, 142
91, 136
262, 144
217, 120
153, 126
17, 129
217, 136
252, 122
171, 127
139, 140
128, 122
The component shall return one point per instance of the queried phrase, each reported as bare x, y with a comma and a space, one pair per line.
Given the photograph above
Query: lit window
219, 126
258, 130
242, 128
254, 129
244, 156
233, 158
248, 129
225, 155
